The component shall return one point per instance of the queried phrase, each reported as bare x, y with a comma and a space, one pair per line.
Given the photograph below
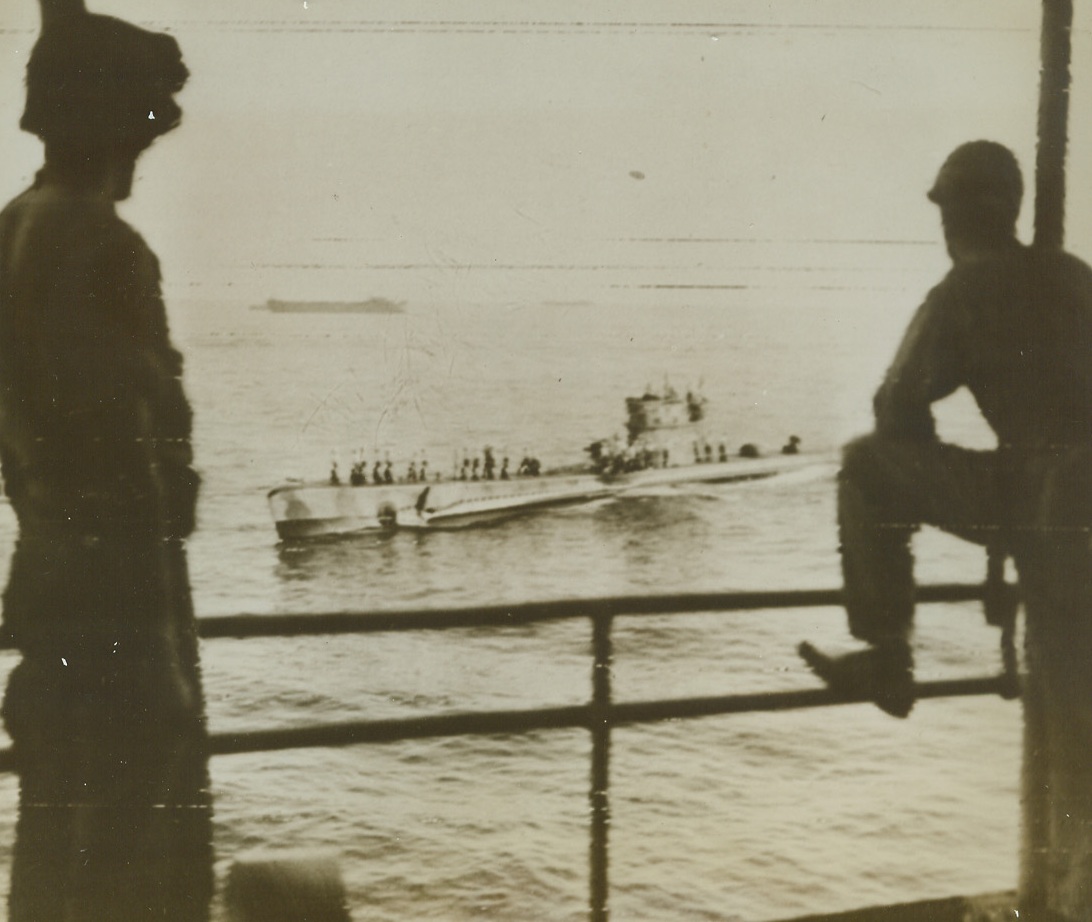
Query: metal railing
598, 716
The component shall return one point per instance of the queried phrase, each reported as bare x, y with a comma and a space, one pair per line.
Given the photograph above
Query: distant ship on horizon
371, 306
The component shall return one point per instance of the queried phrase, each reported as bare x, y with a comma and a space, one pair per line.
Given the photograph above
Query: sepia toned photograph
508, 460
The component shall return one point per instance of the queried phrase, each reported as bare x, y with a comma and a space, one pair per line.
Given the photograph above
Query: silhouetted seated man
105, 709
1012, 324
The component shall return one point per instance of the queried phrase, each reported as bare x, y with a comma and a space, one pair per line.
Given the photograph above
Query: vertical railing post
1054, 82
600, 767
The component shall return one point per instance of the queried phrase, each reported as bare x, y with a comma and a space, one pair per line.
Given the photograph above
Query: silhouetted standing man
1013, 324
106, 708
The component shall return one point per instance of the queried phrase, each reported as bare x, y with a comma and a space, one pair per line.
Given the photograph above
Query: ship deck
991, 907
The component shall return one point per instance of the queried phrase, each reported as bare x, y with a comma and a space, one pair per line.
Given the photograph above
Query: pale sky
439, 150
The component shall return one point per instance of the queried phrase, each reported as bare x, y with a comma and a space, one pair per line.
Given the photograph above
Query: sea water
759, 816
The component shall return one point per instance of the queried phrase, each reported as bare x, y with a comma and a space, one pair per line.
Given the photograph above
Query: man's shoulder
17, 204
990, 273
47, 230
49, 211
1068, 263
1015, 284
123, 241
25, 210
1019, 260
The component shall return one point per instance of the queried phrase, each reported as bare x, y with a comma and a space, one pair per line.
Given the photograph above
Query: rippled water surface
745, 817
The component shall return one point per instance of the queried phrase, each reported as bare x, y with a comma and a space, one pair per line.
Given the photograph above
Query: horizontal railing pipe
351, 733
297, 625
522, 721
576, 717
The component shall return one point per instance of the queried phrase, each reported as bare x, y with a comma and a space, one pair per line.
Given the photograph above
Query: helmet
94, 78
983, 173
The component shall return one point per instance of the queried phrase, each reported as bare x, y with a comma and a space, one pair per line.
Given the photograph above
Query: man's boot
882, 674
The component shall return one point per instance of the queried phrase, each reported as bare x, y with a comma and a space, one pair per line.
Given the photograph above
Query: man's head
979, 189
100, 91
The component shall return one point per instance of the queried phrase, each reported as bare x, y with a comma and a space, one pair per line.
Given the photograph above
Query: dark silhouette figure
1013, 324
792, 446
105, 709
